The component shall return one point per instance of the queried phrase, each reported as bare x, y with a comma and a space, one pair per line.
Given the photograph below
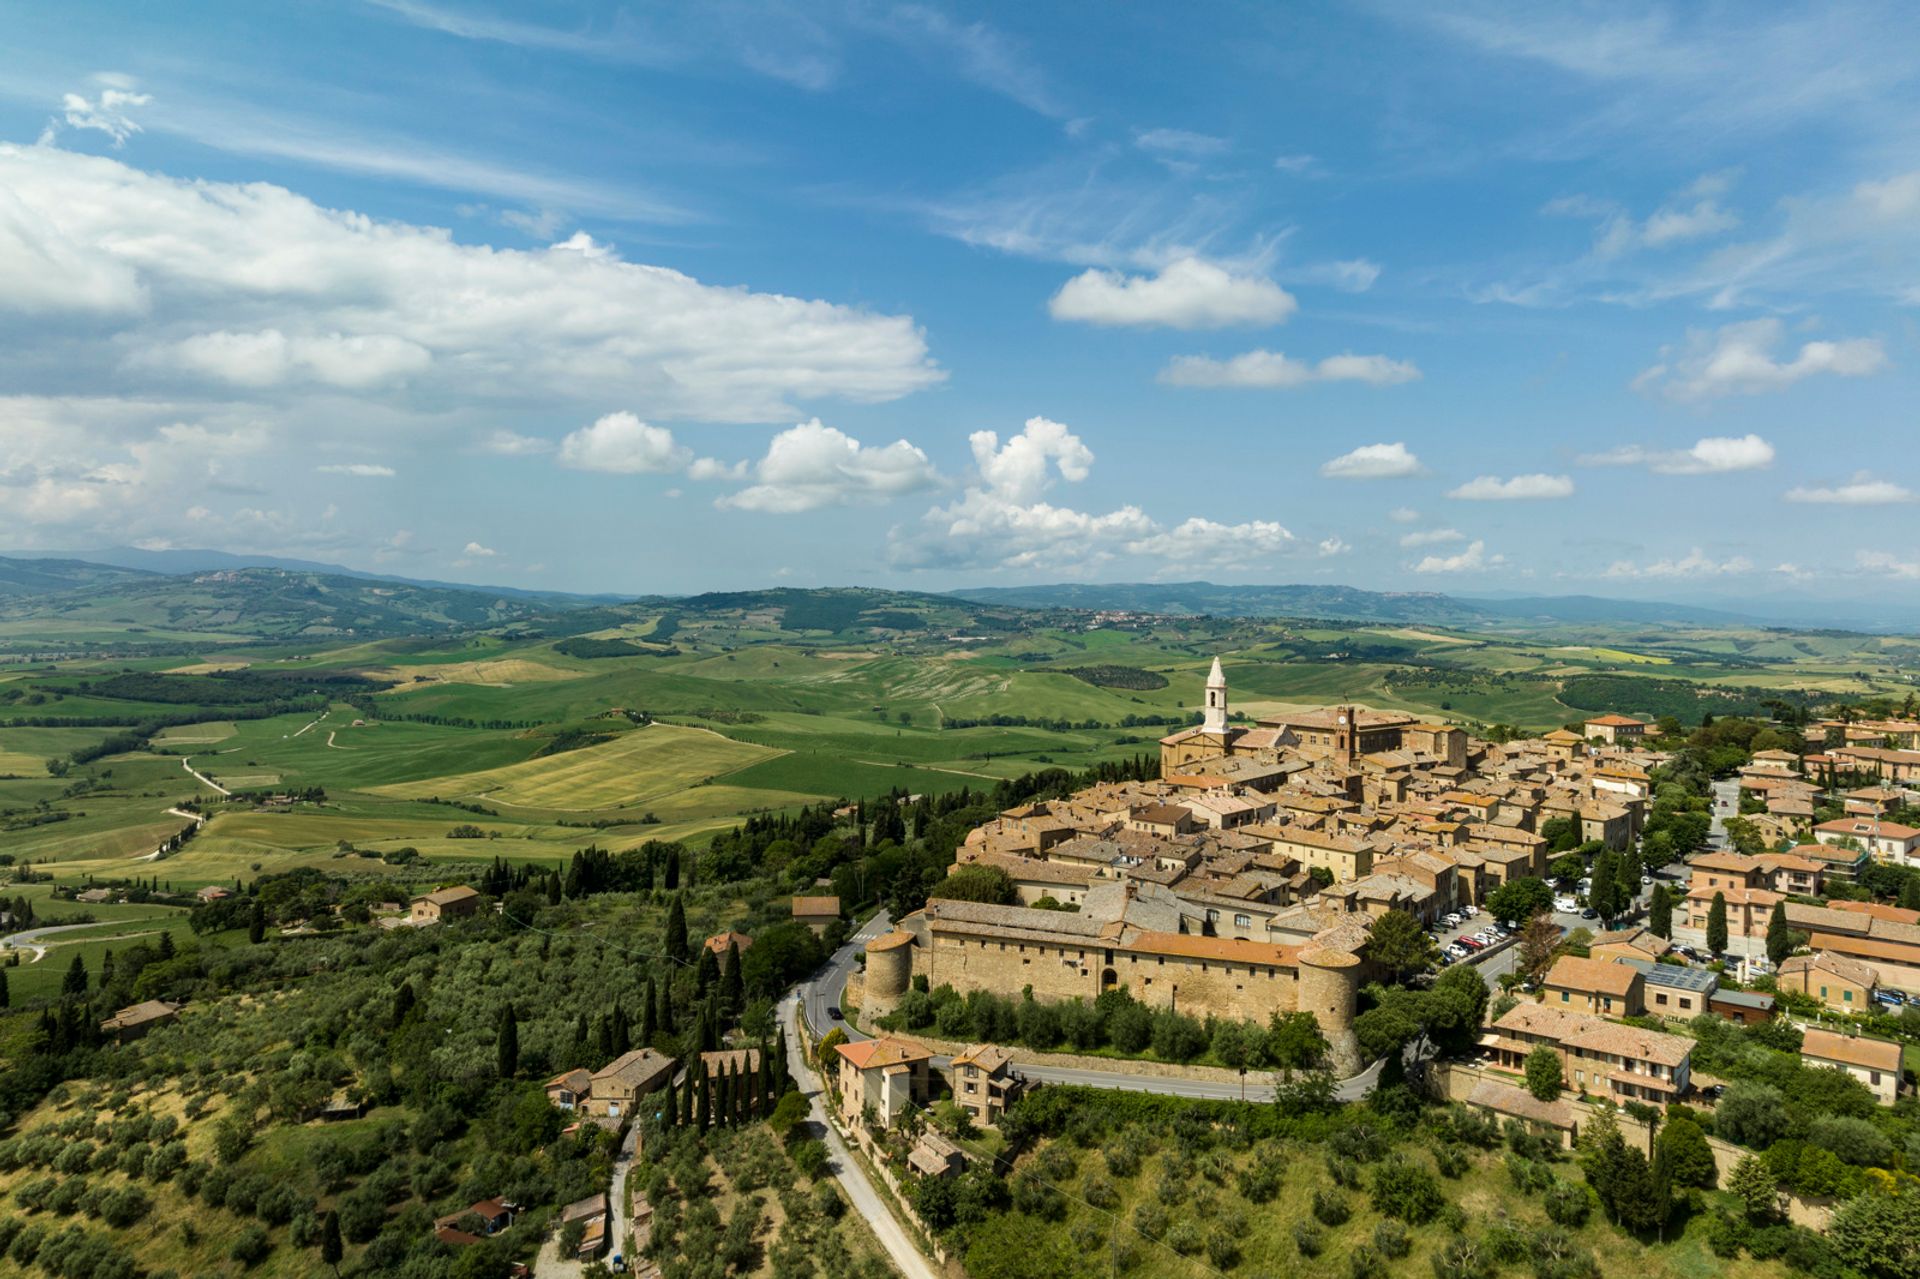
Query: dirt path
322, 715
196, 818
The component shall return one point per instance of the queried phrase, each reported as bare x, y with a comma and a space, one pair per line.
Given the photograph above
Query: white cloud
810, 466
1334, 545
1491, 488
1187, 293
1695, 563
269, 357
505, 443
1472, 559
621, 444
1003, 520
1203, 543
106, 114
1403, 515
363, 470
1739, 359
476, 551
712, 468
1299, 162
1432, 537
1862, 490
1373, 462
252, 285
1710, 456
1887, 564
1274, 370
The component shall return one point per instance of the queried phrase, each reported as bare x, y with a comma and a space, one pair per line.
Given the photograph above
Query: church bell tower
1216, 715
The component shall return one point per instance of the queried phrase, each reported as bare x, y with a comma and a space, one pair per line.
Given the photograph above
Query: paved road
29, 939
905, 1254
1726, 803
549, 1264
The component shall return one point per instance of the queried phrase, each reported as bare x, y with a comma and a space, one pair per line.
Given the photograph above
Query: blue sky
1468, 298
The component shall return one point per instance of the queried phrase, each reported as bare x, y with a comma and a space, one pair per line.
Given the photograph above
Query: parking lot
1500, 957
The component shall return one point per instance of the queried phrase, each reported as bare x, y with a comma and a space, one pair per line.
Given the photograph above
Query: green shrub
1308, 1238
1331, 1207
1390, 1239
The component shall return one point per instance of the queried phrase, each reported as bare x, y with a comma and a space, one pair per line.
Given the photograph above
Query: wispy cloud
1521, 488
1740, 359
1277, 371
1862, 490
1710, 456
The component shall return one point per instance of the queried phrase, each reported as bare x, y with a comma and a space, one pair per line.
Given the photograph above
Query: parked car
1470, 910
1472, 943
1588, 912
833, 1011
1646, 881
1458, 951
1452, 920
1891, 999
1565, 905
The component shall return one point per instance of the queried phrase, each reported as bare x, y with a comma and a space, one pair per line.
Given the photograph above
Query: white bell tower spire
1215, 720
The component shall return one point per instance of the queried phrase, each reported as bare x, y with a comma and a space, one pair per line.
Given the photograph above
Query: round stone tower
889, 972
1329, 989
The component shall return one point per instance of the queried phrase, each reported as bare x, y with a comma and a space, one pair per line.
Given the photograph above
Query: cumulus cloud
253, 285
1432, 537
1004, 520
1521, 488
1373, 462
1862, 490
1274, 370
1695, 563
269, 357
1709, 456
1334, 545
1187, 293
1471, 559
1740, 359
476, 551
621, 444
363, 470
810, 466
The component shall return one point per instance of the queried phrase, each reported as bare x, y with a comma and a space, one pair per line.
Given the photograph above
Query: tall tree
166, 944
1660, 912
507, 1043
703, 1103
332, 1249
732, 994
678, 949
1752, 1183
670, 1105
622, 1032
75, 982
706, 972
403, 1002
665, 1020
1717, 924
6, 1000
649, 1013
1779, 936
256, 925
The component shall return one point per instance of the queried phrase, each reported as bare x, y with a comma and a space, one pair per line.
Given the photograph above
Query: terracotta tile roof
1616, 721
1632, 1043
988, 1057
878, 1054
1592, 975
1840, 966
1854, 1050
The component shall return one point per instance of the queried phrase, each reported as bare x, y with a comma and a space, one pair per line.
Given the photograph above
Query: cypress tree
603, 1030
166, 945
75, 982
621, 1041
331, 1247
256, 925
553, 888
706, 972
1660, 912
648, 1011
670, 1109
703, 1104
723, 1099
106, 970
6, 1000
732, 992
1717, 924
677, 948
403, 1002
686, 1100
507, 1044
666, 1025
780, 1061
1779, 939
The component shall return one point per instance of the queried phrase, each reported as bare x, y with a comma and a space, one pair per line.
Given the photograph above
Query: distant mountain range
1348, 604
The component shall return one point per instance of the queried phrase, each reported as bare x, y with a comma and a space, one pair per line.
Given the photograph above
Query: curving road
29, 939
